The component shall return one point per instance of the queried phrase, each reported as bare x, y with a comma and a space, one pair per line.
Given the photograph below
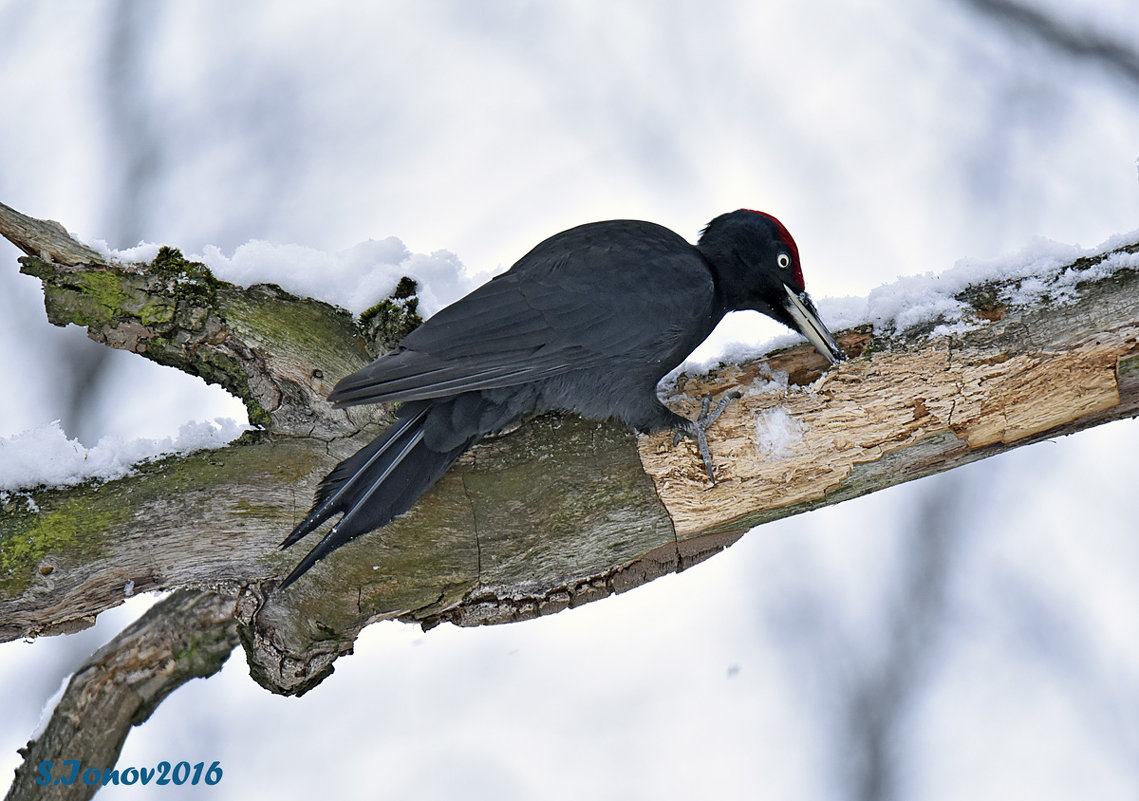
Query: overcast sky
892, 139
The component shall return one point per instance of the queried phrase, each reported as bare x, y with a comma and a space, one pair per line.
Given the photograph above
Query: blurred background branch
1079, 40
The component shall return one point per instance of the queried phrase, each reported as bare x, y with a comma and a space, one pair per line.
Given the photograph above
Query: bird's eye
784, 261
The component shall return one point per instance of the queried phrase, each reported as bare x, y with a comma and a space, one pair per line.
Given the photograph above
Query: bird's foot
696, 428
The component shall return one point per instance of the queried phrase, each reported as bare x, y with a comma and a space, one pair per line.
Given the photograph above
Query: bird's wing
584, 298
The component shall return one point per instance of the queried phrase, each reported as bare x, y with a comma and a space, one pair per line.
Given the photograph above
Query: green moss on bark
393, 318
73, 528
75, 524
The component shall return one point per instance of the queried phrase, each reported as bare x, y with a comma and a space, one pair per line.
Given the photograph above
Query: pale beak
807, 321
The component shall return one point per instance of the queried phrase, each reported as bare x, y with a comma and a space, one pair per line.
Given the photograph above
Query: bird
588, 322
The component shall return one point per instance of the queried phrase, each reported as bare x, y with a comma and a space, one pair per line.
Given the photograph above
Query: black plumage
588, 322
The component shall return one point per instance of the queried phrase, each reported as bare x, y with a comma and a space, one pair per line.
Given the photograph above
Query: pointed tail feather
335, 488
374, 485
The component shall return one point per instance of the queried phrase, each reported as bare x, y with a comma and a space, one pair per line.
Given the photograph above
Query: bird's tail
376, 484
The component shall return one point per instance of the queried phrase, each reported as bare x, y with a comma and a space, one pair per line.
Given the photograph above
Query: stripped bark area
950, 401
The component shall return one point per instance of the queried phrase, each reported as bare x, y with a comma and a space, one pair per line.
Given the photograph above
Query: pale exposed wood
866, 409
44, 238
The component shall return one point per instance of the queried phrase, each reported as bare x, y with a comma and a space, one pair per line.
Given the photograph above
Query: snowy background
965, 636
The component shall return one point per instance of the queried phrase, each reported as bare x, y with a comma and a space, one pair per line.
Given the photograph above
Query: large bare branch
558, 513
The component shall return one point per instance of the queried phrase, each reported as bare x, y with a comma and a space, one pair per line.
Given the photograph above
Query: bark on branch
558, 513
187, 635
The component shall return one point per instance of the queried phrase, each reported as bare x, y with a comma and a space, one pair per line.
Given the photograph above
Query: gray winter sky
965, 636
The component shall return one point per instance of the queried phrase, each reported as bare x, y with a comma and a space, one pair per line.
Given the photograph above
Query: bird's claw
697, 427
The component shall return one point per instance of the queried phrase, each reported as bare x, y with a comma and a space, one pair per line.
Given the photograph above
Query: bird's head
756, 263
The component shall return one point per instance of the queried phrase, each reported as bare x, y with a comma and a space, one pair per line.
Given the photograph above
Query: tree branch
185, 636
558, 513
1080, 42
